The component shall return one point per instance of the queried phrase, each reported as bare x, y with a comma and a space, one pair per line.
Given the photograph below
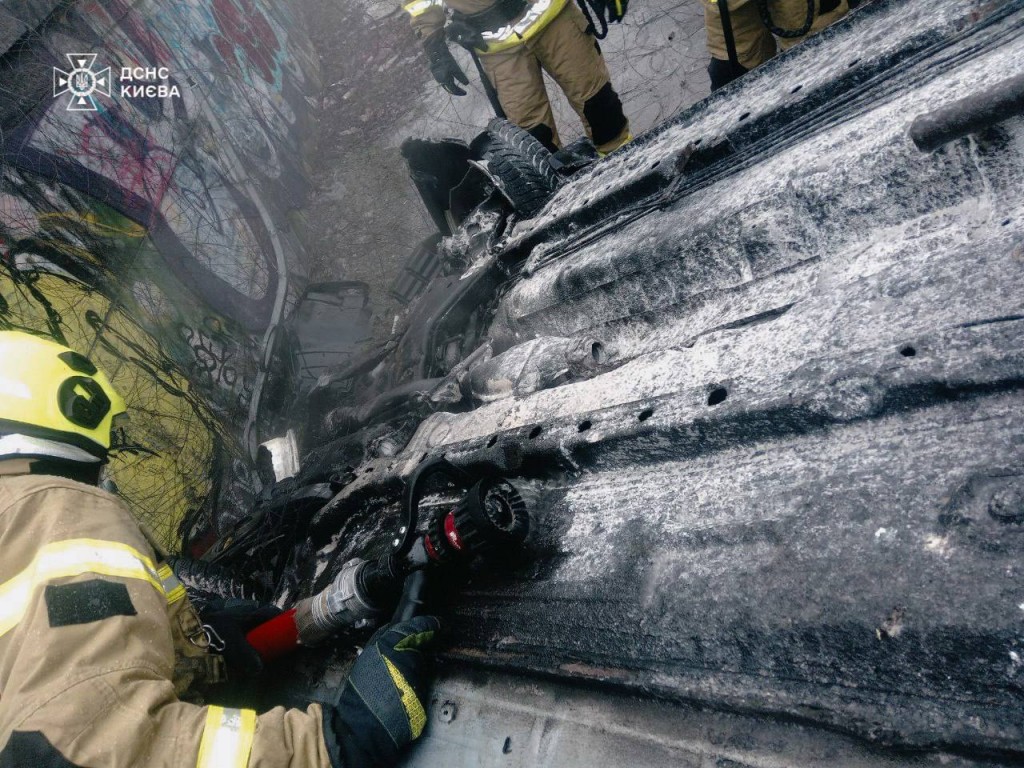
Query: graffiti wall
156, 228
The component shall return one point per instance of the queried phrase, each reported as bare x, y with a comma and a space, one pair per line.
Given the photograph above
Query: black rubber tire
210, 581
523, 166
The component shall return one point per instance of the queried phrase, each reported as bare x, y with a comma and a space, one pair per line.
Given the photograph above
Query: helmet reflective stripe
24, 445
52, 393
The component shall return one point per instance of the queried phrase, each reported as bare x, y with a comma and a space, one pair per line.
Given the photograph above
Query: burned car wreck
756, 379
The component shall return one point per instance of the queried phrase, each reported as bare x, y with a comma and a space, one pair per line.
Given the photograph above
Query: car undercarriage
758, 378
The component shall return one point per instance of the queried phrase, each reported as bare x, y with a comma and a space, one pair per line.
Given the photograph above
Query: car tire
520, 166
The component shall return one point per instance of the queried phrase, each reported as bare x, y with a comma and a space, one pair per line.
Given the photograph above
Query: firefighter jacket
98, 641
503, 24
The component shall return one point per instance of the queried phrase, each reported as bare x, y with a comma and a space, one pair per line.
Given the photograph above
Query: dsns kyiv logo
81, 82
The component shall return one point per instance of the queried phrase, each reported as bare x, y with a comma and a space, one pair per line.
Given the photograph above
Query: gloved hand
227, 622
443, 66
381, 708
463, 34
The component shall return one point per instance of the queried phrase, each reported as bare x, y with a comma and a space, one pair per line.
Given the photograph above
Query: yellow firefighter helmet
53, 401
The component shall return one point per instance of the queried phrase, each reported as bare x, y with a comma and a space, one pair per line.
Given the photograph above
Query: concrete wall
159, 235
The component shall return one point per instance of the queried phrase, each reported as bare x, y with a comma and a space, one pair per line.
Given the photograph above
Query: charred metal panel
495, 719
794, 489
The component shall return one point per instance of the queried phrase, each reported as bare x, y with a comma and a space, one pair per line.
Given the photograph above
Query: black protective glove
443, 66
381, 708
463, 34
227, 622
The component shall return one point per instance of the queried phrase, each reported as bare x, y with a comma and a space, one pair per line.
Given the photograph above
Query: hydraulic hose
413, 492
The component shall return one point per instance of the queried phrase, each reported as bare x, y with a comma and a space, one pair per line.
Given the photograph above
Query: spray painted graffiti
152, 234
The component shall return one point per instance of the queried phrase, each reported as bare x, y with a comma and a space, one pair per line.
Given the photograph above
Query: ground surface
365, 216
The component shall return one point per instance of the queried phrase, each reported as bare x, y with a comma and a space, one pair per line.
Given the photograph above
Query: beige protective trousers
571, 57
755, 44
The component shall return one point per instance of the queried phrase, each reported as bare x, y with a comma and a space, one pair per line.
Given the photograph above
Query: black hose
766, 19
411, 500
411, 601
488, 86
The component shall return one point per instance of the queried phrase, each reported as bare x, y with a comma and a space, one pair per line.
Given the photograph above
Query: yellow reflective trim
176, 594
227, 738
73, 557
411, 702
620, 145
172, 586
536, 18
419, 7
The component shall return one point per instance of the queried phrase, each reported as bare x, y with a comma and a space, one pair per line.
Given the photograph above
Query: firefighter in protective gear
743, 34
516, 41
98, 641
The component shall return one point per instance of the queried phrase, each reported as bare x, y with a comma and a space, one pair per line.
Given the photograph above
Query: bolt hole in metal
796, 89
597, 352
717, 395
448, 711
535, 432
744, 116
493, 441
1005, 223
853, 63
908, 351
645, 414
584, 426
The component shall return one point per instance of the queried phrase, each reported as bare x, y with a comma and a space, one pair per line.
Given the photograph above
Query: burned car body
758, 377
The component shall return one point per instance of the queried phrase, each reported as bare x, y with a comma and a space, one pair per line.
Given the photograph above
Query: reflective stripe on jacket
428, 17
96, 638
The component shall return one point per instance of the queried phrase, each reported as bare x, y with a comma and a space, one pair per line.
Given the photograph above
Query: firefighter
516, 41
98, 642
742, 34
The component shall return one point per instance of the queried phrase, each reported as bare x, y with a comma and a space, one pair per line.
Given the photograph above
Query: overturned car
755, 379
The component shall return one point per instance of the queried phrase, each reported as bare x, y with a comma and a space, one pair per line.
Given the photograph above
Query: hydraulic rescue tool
491, 519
